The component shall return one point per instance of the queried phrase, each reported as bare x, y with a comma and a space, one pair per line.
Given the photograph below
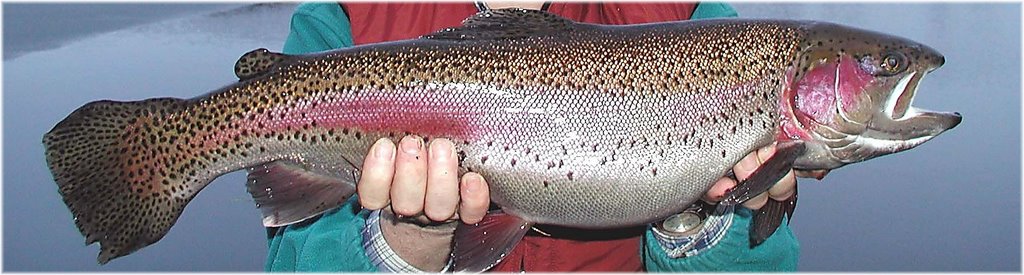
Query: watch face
682, 222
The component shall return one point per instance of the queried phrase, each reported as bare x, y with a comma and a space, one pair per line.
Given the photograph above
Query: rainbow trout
572, 124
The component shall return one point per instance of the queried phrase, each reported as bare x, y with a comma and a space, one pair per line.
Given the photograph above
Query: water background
952, 204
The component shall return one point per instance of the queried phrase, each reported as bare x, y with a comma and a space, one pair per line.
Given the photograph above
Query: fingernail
472, 182
412, 144
441, 150
383, 149
821, 174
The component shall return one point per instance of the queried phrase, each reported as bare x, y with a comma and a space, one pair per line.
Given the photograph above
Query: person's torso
610, 250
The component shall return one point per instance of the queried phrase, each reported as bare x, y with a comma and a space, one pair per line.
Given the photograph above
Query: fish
572, 124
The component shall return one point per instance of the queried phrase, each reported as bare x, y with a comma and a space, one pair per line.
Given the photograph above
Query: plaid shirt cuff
380, 254
712, 231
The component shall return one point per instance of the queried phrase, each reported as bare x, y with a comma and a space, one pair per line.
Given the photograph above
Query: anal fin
483, 245
287, 192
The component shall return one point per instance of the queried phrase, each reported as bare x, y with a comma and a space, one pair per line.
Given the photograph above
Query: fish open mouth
899, 103
904, 125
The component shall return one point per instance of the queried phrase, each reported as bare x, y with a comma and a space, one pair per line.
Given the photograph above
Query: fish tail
114, 164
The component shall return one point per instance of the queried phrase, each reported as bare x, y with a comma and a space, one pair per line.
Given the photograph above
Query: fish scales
571, 124
574, 128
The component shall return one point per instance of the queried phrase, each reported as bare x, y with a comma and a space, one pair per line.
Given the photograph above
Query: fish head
848, 96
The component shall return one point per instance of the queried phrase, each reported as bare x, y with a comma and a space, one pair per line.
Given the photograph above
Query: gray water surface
952, 204
33, 27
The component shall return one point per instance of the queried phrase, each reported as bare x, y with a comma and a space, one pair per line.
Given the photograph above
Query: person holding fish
601, 148
417, 200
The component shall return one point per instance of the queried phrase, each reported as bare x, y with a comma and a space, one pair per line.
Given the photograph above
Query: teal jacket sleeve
732, 253
707, 10
318, 26
331, 242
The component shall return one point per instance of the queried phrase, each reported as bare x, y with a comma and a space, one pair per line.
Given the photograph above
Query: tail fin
114, 164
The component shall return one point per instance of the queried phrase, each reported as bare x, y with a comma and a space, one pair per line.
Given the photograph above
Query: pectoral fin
770, 172
767, 219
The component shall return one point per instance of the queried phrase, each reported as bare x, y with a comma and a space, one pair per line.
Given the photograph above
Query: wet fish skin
572, 124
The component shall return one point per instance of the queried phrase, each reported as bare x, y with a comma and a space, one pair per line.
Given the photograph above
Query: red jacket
617, 250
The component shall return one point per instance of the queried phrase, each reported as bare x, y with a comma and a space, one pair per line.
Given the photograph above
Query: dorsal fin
505, 24
257, 62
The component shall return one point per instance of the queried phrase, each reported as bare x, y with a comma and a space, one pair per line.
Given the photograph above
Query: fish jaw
851, 99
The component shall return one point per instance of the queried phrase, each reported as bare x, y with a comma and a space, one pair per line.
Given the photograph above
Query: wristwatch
687, 222
693, 231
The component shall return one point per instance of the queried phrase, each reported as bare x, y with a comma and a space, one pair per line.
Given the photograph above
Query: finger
756, 202
410, 182
746, 166
765, 152
718, 191
783, 189
442, 181
374, 185
475, 198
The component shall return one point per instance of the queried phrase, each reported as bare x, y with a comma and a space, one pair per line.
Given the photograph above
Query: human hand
421, 182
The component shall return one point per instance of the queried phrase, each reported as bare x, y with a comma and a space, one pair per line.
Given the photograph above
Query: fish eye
893, 63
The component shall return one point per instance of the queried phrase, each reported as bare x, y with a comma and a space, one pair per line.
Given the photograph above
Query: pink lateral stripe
432, 114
